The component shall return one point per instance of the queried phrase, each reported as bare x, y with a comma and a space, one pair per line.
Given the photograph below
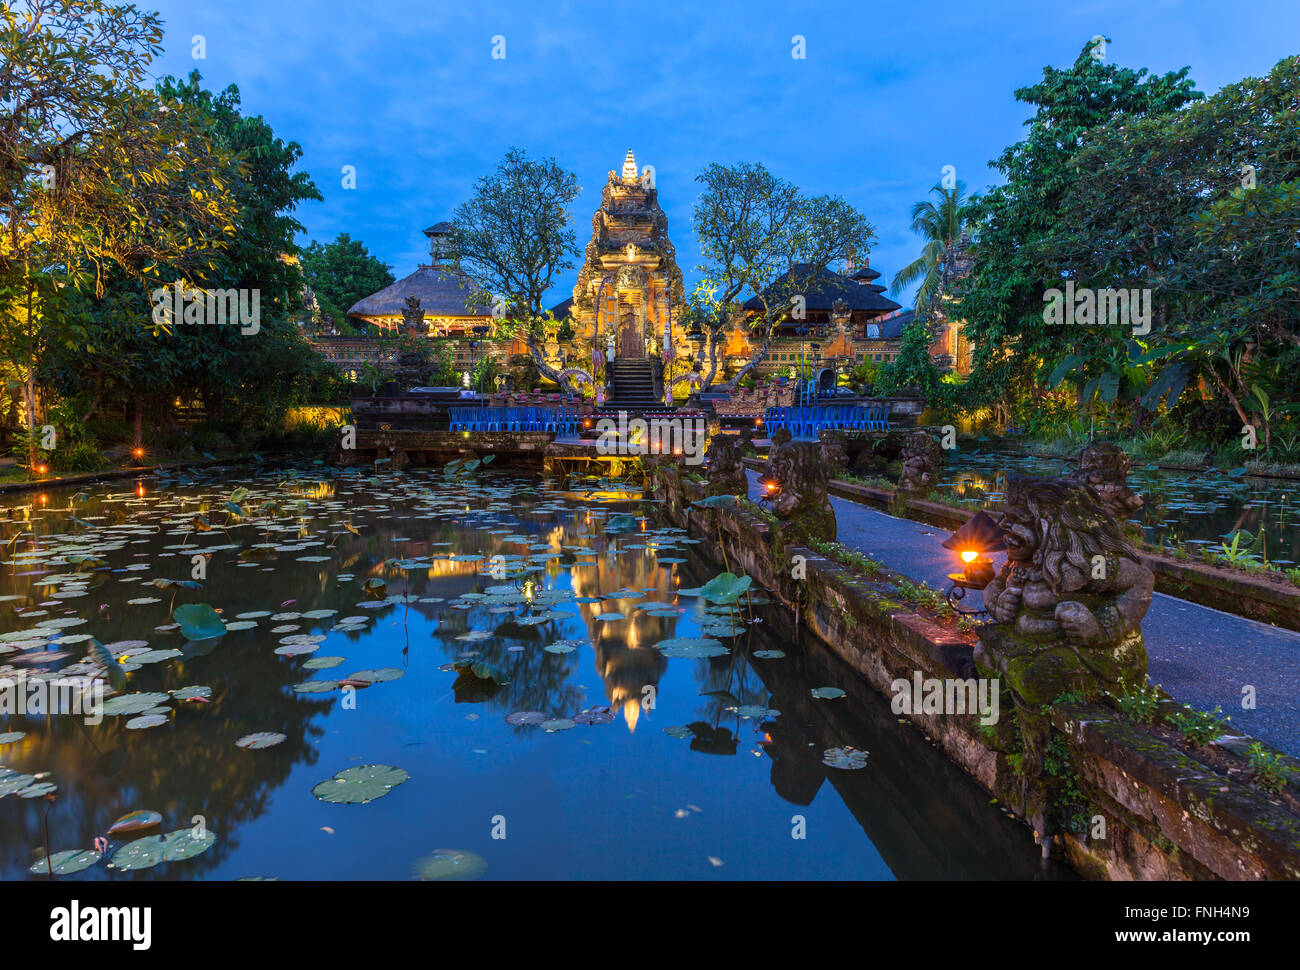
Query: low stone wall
1155, 810
1268, 599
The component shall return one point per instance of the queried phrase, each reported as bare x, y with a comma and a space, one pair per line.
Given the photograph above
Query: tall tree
244, 378
1201, 207
752, 227
340, 273
941, 226
514, 237
97, 176
1019, 222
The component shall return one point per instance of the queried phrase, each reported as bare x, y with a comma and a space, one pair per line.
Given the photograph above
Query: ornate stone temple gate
628, 300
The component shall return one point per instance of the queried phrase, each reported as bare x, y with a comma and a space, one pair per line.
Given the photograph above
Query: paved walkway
1200, 656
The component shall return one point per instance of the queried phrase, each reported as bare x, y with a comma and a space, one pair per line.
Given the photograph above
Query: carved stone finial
726, 467
1104, 468
801, 505
922, 463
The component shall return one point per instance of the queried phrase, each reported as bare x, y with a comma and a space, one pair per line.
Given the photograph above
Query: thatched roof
442, 291
824, 290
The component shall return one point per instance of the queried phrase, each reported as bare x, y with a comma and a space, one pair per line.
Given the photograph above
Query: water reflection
493, 570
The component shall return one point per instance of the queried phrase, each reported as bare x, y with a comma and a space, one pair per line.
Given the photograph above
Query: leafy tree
1020, 223
97, 175
752, 226
515, 236
247, 380
339, 274
1201, 206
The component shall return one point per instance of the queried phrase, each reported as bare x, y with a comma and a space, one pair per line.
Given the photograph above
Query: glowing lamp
979, 535
771, 487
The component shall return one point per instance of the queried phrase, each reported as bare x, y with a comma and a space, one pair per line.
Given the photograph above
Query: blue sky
888, 93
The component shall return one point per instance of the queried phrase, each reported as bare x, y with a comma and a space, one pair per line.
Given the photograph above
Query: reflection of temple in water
626, 658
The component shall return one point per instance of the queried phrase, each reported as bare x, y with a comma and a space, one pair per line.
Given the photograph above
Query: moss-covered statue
1067, 608
800, 504
725, 469
1104, 468
835, 452
922, 463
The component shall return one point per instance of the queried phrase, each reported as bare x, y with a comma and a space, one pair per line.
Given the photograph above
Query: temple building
623, 325
453, 304
847, 319
629, 294
438, 301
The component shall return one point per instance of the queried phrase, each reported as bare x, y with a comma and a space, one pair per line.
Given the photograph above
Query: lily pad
199, 621
360, 784
175, 846
691, 647
846, 758
378, 676
65, 863
146, 721
262, 739
322, 663
135, 822
450, 864
519, 718
134, 703
827, 693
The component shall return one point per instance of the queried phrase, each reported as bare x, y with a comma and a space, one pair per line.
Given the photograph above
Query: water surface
704, 768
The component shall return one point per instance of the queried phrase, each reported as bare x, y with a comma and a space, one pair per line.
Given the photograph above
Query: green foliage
912, 368
1020, 223
109, 350
940, 226
1141, 703
339, 274
847, 557
1068, 804
1270, 768
1245, 550
753, 226
1198, 727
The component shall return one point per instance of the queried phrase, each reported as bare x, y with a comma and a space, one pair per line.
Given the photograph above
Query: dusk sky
888, 94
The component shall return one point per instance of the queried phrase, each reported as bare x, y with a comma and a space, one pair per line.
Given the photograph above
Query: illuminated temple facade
629, 295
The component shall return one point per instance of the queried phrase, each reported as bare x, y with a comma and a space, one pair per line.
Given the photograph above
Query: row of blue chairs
806, 422
564, 422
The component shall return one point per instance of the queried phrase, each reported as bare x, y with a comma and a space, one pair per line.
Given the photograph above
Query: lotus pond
1189, 508
433, 676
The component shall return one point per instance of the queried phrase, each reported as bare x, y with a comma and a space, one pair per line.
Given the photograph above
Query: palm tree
943, 226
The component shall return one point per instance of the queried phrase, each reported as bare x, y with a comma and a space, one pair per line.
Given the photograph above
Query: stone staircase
633, 382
